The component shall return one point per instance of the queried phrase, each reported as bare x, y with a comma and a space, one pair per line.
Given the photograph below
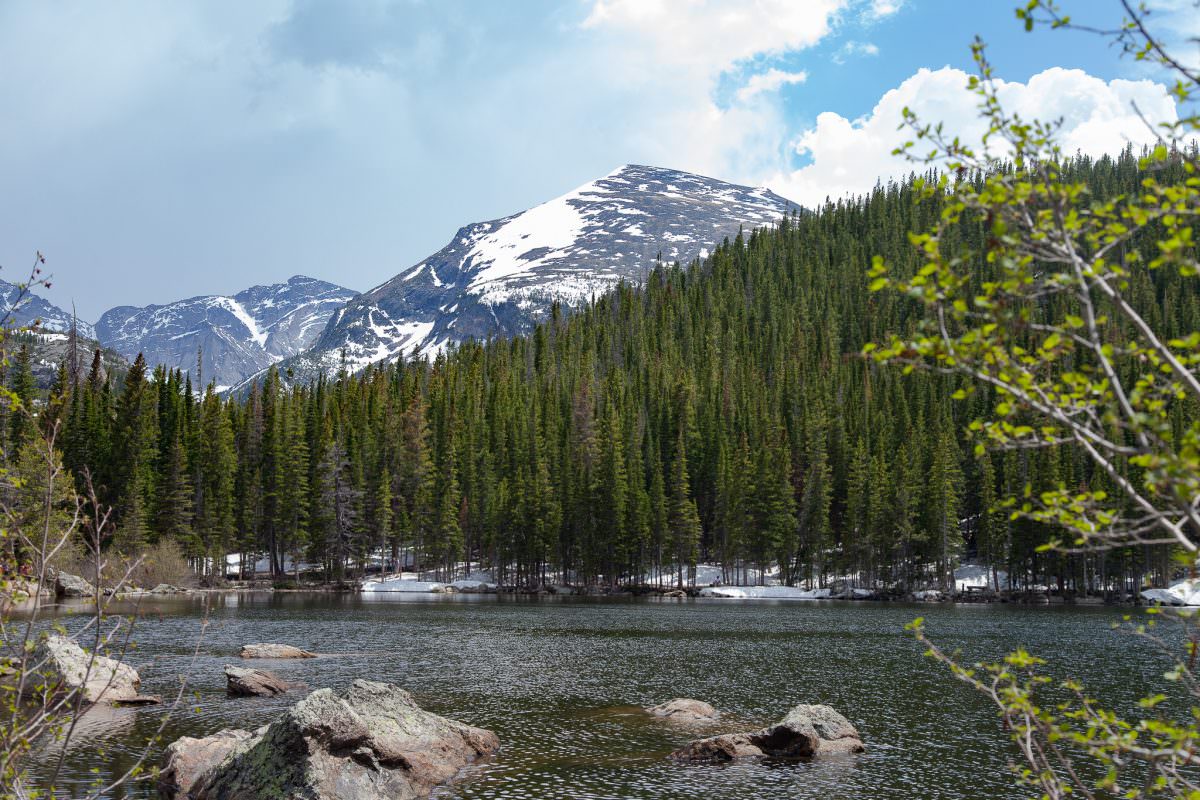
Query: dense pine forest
720, 413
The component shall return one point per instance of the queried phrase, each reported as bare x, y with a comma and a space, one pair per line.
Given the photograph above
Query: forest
723, 412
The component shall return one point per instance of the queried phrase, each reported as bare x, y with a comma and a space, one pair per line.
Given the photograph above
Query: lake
562, 680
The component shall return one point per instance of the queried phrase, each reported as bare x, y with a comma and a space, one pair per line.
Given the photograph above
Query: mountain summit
501, 277
238, 335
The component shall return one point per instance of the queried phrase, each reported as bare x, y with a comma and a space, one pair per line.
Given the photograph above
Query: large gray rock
100, 680
186, 760
274, 651
67, 585
683, 710
243, 682
806, 732
371, 743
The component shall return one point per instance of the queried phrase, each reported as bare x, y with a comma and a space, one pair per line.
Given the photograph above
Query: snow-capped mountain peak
501, 277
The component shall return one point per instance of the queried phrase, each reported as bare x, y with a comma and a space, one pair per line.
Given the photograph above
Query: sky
156, 151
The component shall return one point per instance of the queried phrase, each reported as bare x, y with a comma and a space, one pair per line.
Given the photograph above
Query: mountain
49, 342
238, 336
501, 277
33, 308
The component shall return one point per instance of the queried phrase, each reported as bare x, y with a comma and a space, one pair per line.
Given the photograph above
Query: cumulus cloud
678, 50
713, 35
848, 156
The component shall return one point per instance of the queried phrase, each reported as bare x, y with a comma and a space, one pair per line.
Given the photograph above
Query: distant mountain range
496, 278
236, 336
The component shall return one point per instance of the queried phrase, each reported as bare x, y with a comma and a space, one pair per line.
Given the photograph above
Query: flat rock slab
245, 682
373, 742
684, 710
273, 651
99, 679
808, 731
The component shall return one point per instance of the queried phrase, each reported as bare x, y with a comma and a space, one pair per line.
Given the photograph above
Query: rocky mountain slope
501, 277
238, 336
33, 308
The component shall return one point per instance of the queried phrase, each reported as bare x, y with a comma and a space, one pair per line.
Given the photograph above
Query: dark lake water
561, 682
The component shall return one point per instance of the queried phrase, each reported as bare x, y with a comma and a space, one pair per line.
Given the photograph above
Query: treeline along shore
722, 413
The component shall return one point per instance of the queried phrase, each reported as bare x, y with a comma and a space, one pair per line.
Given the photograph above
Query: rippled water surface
562, 682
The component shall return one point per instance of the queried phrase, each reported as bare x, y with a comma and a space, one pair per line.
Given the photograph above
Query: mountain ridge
502, 276
235, 335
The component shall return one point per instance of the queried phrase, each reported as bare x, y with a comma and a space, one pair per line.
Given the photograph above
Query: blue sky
160, 150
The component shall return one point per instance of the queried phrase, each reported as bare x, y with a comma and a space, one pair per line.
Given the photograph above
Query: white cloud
769, 81
713, 35
851, 49
885, 8
849, 156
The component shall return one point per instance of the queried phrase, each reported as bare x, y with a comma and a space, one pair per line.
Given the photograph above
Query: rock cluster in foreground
372, 742
101, 680
806, 732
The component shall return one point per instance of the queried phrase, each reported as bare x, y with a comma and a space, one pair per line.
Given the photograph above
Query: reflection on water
560, 680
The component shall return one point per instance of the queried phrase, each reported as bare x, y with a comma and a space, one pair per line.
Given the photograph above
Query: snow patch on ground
404, 585
765, 593
1183, 593
977, 576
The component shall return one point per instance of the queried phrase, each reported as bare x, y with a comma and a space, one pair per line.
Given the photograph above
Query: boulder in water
99, 679
243, 682
372, 742
273, 651
685, 711
806, 732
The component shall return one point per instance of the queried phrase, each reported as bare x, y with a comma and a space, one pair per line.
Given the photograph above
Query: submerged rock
243, 682
806, 732
67, 585
273, 651
683, 710
371, 743
100, 679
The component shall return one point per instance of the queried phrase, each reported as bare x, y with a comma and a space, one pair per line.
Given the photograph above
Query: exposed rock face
806, 732
166, 588
685, 711
371, 743
274, 651
242, 682
102, 680
67, 585
186, 759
